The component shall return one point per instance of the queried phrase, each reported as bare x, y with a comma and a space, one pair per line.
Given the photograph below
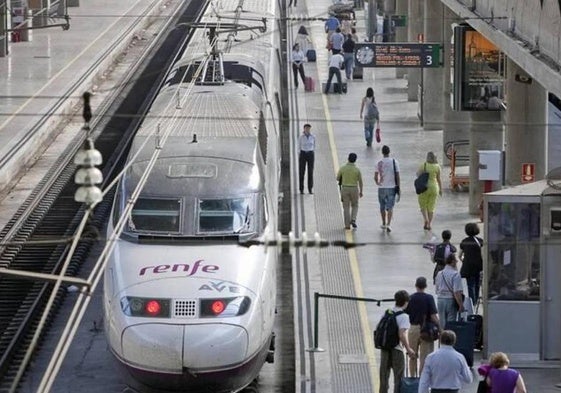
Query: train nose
212, 345
171, 348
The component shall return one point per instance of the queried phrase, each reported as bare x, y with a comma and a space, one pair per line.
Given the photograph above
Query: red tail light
153, 308
217, 307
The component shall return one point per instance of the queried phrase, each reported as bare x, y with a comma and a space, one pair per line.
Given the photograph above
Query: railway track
34, 239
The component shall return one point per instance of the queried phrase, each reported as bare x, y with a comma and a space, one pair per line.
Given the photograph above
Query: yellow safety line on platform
366, 329
66, 67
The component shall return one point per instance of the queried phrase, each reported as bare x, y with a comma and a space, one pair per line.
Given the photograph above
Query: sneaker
388, 228
383, 226
353, 224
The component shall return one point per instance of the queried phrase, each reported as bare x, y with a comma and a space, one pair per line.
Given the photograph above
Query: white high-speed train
185, 306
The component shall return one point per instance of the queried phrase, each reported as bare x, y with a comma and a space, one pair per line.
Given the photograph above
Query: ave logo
219, 287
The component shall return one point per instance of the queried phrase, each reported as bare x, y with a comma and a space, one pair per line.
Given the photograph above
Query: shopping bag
379, 136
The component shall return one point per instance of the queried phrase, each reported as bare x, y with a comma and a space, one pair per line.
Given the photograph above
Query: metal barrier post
315, 348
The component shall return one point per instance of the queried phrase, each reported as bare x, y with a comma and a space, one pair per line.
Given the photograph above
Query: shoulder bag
430, 331
421, 182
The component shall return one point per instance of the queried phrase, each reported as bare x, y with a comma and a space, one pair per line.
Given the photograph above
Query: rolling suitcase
478, 321
357, 73
311, 55
408, 384
465, 338
309, 84
334, 88
342, 88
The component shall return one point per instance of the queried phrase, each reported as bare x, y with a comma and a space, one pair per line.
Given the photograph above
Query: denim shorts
386, 197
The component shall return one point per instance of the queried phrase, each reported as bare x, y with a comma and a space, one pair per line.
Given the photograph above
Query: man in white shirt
335, 64
394, 359
446, 370
307, 145
386, 177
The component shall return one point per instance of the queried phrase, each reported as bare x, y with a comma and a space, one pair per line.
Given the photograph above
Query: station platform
39, 85
42, 82
388, 262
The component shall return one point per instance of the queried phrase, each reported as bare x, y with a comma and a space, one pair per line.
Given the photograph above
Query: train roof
228, 110
227, 164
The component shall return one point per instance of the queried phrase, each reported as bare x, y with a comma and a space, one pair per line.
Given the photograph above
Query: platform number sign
400, 55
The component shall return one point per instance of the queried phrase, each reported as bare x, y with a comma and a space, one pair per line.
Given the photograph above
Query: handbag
421, 182
482, 387
430, 331
379, 136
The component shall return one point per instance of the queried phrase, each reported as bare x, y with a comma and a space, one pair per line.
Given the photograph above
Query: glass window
514, 251
229, 215
156, 215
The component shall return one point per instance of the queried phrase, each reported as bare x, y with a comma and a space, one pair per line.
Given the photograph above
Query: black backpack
440, 251
386, 335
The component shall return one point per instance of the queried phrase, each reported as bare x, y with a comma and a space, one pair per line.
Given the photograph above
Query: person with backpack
390, 337
371, 113
441, 252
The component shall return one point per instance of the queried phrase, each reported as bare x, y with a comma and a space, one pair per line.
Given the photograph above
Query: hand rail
317, 295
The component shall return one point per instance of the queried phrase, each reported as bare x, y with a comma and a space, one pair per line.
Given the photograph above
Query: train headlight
146, 307
225, 307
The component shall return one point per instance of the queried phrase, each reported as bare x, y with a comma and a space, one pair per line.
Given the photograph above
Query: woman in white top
298, 59
371, 117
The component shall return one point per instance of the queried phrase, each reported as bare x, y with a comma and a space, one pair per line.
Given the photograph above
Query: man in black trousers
306, 145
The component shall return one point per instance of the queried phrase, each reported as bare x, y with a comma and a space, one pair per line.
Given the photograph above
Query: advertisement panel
479, 70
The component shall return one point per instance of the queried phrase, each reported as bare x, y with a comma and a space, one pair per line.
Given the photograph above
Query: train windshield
156, 215
228, 215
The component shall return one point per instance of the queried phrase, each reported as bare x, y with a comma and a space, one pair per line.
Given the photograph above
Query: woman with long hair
371, 115
427, 199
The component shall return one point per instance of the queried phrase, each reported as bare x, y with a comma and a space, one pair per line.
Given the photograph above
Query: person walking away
331, 24
441, 252
298, 59
392, 356
427, 199
501, 378
446, 370
307, 146
371, 113
449, 291
350, 182
335, 64
386, 177
336, 40
349, 56
421, 308
472, 261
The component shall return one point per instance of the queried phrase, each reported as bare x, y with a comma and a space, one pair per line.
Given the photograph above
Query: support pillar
3, 28
486, 133
433, 100
401, 32
526, 125
414, 28
456, 123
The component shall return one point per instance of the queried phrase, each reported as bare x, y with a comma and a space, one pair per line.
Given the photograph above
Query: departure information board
400, 55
